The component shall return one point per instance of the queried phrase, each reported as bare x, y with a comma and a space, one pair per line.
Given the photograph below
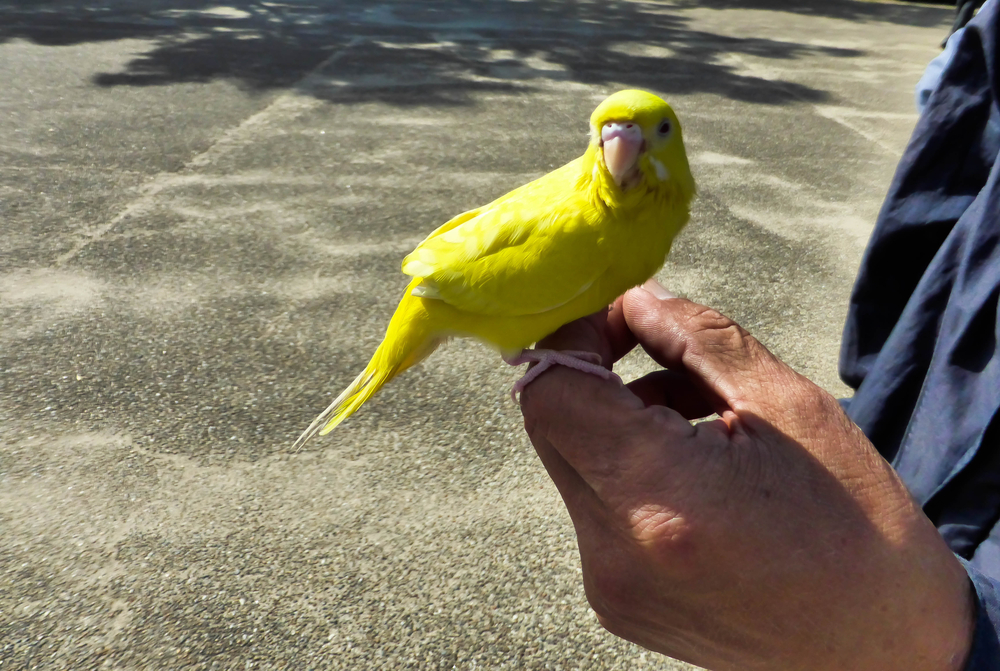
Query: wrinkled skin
775, 537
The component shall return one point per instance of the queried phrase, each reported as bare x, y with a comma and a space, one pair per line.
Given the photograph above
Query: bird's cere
628, 130
622, 143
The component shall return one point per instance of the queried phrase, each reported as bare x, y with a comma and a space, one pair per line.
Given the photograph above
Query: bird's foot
588, 362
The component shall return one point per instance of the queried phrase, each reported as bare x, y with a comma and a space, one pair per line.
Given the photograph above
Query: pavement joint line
837, 115
231, 139
831, 112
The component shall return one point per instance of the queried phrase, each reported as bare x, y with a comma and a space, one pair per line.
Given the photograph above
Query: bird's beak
622, 143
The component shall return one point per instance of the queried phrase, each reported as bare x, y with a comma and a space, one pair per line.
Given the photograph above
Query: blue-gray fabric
932, 75
920, 342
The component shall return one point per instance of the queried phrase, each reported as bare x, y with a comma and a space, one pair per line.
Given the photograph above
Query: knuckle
613, 593
709, 319
614, 626
717, 331
652, 523
666, 537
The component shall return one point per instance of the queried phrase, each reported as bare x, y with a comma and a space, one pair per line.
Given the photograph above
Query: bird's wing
528, 252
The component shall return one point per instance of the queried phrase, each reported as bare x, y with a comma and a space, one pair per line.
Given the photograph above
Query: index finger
605, 333
599, 427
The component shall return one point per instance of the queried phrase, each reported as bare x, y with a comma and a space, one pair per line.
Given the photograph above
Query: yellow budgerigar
556, 249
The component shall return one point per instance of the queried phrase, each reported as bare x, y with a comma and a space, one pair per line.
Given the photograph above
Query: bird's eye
664, 127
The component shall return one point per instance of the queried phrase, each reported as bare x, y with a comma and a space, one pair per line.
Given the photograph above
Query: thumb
713, 350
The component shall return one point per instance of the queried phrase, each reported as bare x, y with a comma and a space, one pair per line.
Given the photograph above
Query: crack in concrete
294, 102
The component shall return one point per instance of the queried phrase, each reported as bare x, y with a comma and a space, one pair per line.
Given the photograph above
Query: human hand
773, 538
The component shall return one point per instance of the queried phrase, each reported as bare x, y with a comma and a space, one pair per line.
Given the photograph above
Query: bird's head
637, 140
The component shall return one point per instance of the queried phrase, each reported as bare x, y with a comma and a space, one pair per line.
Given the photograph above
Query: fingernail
655, 288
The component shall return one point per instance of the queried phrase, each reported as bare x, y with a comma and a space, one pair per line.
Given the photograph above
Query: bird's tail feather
407, 342
364, 387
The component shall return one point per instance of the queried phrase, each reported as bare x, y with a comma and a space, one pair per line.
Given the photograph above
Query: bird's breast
640, 241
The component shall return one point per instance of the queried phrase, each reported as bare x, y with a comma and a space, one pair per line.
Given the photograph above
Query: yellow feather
554, 250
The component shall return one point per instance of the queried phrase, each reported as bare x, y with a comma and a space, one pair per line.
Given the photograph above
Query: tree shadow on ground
432, 52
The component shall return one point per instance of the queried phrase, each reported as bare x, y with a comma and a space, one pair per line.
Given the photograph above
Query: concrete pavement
203, 209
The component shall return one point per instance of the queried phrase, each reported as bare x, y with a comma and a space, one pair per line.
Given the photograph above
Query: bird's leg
588, 362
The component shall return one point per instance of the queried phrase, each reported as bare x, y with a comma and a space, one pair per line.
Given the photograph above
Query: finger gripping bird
556, 249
